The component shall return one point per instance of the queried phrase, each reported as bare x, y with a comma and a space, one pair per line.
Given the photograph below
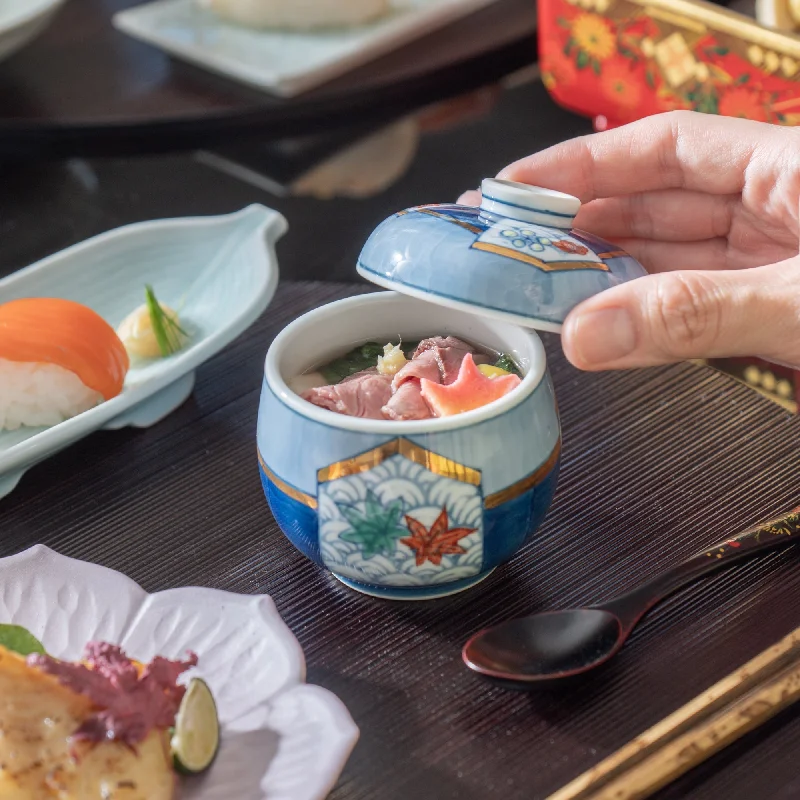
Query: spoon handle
784, 530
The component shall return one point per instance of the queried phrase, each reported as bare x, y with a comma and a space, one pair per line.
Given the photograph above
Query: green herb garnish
370, 351
358, 359
19, 640
167, 331
507, 363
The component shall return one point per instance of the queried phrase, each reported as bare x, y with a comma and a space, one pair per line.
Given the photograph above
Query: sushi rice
38, 395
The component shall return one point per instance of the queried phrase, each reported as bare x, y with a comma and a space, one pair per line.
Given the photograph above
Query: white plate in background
285, 63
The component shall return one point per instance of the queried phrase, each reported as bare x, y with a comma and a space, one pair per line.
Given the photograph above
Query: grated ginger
392, 360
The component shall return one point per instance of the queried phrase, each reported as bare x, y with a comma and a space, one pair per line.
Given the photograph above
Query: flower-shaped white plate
282, 62
221, 272
282, 739
23, 20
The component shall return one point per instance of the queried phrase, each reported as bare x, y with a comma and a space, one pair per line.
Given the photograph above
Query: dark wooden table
657, 464
83, 88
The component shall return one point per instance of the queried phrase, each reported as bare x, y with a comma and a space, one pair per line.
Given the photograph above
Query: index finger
679, 149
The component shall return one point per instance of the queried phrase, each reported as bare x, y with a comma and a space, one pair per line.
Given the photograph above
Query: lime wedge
19, 640
196, 738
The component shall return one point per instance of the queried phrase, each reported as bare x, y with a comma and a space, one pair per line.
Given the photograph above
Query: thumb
676, 316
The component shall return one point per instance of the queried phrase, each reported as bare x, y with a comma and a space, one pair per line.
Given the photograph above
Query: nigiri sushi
298, 15
57, 359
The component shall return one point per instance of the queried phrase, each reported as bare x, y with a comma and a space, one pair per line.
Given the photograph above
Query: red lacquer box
620, 60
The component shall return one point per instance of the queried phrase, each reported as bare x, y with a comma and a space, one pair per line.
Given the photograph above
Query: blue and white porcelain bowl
350, 493
415, 510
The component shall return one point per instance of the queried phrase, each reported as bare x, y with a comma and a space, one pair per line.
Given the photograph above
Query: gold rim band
520, 487
394, 448
290, 491
438, 465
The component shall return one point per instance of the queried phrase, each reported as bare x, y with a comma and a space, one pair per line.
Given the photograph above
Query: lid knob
529, 203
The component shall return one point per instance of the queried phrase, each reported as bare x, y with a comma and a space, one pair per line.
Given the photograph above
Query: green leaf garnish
167, 331
371, 350
507, 363
357, 360
19, 640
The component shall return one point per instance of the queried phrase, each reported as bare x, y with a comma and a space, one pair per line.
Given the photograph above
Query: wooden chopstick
735, 705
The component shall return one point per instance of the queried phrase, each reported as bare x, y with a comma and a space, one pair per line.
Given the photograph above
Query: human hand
707, 204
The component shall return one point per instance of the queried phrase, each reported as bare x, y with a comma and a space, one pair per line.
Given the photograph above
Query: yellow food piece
136, 332
492, 372
39, 762
392, 360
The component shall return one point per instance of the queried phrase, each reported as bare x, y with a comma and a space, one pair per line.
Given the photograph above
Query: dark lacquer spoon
543, 649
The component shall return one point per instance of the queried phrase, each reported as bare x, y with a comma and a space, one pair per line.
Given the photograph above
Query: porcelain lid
516, 257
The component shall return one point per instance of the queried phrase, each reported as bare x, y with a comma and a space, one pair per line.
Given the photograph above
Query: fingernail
602, 337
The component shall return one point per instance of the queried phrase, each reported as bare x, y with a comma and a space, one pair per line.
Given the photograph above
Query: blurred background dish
365, 168
279, 61
86, 89
293, 15
23, 20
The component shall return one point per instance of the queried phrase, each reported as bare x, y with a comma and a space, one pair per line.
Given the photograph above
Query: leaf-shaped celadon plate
219, 272
282, 739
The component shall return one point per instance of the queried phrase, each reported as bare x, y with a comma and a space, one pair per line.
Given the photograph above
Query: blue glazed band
297, 521
507, 528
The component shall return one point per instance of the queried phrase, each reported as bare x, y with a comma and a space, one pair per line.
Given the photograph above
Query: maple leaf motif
440, 540
377, 528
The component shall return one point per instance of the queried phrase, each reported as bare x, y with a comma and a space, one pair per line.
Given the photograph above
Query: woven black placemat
656, 465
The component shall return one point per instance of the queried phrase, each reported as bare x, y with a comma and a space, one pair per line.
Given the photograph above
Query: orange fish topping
66, 334
471, 389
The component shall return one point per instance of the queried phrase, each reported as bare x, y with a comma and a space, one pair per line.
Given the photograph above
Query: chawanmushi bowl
420, 509
492, 470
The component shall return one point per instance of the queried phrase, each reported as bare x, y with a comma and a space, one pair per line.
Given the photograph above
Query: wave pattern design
363, 520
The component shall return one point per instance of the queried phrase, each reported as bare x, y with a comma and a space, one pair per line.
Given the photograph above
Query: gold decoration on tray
788, 66
775, 387
771, 61
755, 54
675, 59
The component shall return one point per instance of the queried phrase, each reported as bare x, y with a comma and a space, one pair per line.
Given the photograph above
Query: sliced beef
449, 353
361, 395
407, 403
424, 365
442, 341
374, 396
